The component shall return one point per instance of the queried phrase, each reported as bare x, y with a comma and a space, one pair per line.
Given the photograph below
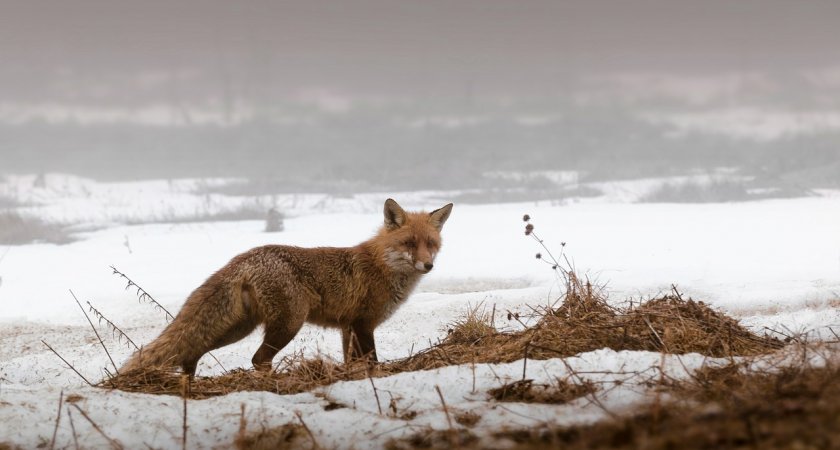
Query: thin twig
243, 423
113, 442
68, 364
73, 429
57, 418
408, 425
115, 330
473, 376
540, 421
308, 431
8, 249
525, 360
662, 343
493, 317
375, 393
676, 291
594, 395
93, 327
143, 295
448, 419
185, 392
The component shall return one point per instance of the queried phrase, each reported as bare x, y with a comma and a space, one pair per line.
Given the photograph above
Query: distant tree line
375, 149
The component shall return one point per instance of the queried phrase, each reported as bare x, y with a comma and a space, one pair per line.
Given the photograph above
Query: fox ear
394, 214
438, 217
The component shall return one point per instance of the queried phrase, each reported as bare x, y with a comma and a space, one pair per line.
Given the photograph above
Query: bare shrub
245, 211
519, 194
17, 229
720, 190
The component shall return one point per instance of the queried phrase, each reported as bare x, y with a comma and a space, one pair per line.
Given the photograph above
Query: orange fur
281, 287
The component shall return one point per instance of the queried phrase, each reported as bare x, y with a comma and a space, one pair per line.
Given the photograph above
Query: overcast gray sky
107, 51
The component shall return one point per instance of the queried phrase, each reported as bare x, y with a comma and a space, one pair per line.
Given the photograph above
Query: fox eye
430, 243
410, 243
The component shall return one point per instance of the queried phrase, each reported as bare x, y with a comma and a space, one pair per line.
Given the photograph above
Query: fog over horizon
377, 94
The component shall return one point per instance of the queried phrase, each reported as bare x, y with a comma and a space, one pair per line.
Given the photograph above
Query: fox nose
428, 266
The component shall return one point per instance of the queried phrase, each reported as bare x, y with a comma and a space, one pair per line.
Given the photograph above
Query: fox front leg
357, 343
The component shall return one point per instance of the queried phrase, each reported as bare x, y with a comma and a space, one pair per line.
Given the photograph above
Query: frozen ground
773, 263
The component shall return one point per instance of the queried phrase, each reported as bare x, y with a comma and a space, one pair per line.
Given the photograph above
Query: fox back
280, 287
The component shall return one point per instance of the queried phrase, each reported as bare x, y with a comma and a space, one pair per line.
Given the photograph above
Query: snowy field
772, 264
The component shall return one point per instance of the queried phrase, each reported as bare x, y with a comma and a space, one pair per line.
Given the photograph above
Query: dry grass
526, 391
294, 375
455, 438
467, 418
729, 407
584, 322
792, 408
475, 325
288, 436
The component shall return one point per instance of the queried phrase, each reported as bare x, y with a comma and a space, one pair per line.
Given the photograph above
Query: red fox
281, 287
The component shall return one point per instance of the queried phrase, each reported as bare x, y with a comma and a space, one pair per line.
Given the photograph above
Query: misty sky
106, 51
328, 89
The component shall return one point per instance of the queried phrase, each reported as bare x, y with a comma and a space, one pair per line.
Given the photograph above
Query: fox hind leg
275, 339
279, 331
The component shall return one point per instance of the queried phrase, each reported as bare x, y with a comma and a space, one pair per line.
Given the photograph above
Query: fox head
411, 240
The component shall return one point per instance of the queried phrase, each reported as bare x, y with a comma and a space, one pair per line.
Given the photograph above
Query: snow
137, 420
771, 263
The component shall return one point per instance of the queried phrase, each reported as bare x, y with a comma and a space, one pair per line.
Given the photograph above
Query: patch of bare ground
454, 438
584, 322
287, 436
467, 418
729, 407
793, 407
526, 391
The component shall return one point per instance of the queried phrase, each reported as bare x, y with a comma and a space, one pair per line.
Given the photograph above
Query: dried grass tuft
528, 392
585, 321
472, 327
436, 439
294, 375
288, 436
467, 418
